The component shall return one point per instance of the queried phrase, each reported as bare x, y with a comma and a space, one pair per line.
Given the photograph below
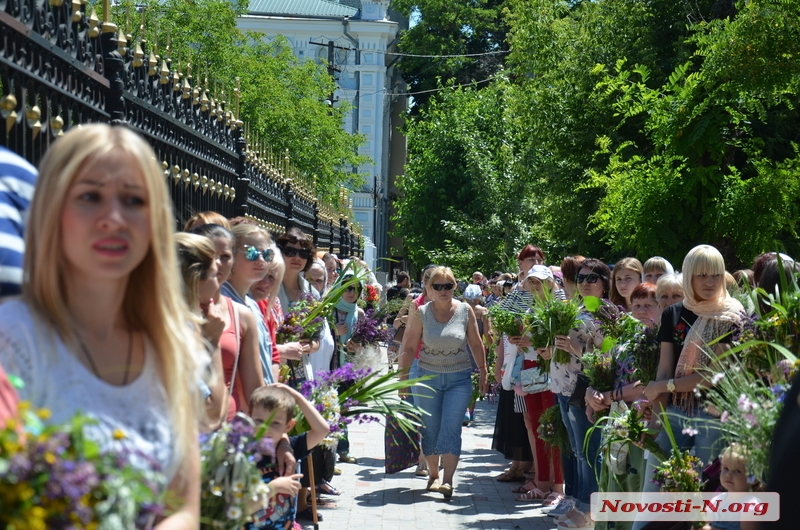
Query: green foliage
451, 27
282, 97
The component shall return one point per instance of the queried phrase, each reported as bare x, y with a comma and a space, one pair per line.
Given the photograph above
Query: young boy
276, 403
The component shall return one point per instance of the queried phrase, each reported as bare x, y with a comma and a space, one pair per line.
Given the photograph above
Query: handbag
509, 359
534, 381
578, 397
401, 448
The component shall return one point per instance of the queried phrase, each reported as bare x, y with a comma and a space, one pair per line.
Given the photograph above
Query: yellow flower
119, 434
50, 458
44, 414
24, 406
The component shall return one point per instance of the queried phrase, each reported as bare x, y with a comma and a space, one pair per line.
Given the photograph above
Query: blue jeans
577, 427
413, 373
569, 464
445, 398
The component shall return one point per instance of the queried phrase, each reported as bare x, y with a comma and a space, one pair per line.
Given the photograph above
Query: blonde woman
253, 251
102, 325
198, 265
625, 276
445, 326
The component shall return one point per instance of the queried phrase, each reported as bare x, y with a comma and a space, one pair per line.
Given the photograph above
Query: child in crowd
276, 403
733, 478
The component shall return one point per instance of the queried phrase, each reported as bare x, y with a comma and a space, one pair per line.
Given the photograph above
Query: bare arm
655, 390
215, 403
476, 347
249, 370
402, 315
410, 342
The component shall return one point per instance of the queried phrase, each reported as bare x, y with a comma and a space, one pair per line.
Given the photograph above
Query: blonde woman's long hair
153, 300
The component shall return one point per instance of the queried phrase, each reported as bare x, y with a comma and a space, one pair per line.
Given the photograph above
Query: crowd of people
693, 314
96, 318
161, 335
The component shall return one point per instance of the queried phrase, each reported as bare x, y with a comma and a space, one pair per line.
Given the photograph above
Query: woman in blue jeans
593, 279
445, 327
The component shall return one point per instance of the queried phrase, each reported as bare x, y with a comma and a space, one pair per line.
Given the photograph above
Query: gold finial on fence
152, 63
168, 49
32, 117
77, 14
107, 26
128, 36
164, 74
93, 22
56, 126
142, 36
8, 106
122, 43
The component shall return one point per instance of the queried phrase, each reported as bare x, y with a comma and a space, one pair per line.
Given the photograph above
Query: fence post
112, 70
316, 224
344, 236
242, 180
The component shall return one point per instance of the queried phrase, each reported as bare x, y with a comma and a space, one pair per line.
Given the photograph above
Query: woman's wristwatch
671, 385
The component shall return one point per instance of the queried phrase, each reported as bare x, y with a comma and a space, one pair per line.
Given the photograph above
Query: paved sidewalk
373, 500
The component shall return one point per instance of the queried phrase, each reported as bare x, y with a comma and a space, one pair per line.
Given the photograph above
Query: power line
436, 89
497, 52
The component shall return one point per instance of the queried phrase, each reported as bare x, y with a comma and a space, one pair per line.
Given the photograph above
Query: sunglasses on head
291, 252
351, 288
442, 286
588, 278
252, 253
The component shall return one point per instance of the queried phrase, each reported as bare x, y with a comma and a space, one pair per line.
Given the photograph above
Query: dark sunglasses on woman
291, 252
442, 286
252, 253
588, 278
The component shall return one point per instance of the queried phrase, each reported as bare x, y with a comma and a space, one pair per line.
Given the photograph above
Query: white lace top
56, 380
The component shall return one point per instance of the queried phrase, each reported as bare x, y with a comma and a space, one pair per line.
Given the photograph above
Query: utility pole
332, 68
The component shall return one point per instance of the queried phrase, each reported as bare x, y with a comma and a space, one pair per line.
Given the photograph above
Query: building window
368, 58
366, 113
367, 79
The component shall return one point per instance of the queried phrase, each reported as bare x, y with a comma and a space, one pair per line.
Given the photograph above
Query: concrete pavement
373, 500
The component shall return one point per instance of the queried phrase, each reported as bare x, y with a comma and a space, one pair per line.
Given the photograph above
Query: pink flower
724, 416
691, 432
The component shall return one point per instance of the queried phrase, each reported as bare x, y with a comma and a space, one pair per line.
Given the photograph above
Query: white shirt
55, 380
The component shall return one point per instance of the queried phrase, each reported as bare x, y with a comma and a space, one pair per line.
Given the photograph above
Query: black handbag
577, 399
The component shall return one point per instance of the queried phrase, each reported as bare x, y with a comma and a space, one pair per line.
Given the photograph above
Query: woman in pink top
8, 399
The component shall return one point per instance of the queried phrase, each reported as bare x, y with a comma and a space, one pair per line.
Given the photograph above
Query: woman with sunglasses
240, 342
102, 326
593, 279
445, 327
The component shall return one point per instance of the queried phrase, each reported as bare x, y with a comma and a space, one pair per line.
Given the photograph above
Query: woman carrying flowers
445, 326
707, 314
102, 326
593, 279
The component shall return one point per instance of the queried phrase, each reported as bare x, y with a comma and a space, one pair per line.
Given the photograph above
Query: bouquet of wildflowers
505, 321
370, 330
371, 296
681, 472
552, 430
600, 368
616, 325
232, 489
54, 477
626, 425
555, 317
299, 322
323, 392
645, 349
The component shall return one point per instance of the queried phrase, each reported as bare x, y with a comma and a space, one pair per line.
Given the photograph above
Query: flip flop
531, 495
327, 489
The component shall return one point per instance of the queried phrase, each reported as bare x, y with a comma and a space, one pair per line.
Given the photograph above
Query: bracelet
282, 443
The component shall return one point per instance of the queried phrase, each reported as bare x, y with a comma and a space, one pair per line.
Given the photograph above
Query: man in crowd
17, 179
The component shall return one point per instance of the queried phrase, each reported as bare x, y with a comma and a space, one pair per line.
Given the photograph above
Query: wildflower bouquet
371, 296
616, 325
370, 330
505, 321
552, 430
645, 349
600, 368
681, 471
232, 489
299, 322
55, 477
625, 425
555, 317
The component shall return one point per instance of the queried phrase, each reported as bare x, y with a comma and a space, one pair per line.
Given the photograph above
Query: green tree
282, 97
717, 162
461, 202
451, 28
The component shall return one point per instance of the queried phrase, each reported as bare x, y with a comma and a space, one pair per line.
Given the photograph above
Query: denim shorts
445, 400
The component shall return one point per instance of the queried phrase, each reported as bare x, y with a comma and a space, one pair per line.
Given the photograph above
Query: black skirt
510, 435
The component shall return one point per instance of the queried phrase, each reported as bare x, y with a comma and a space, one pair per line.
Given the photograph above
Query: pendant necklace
94, 366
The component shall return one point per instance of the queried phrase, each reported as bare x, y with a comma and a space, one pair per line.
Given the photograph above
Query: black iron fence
61, 66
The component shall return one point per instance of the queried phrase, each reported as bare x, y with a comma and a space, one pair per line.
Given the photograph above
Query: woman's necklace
94, 366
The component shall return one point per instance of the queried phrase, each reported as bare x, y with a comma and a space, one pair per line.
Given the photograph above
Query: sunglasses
252, 253
588, 278
291, 252
442, 286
